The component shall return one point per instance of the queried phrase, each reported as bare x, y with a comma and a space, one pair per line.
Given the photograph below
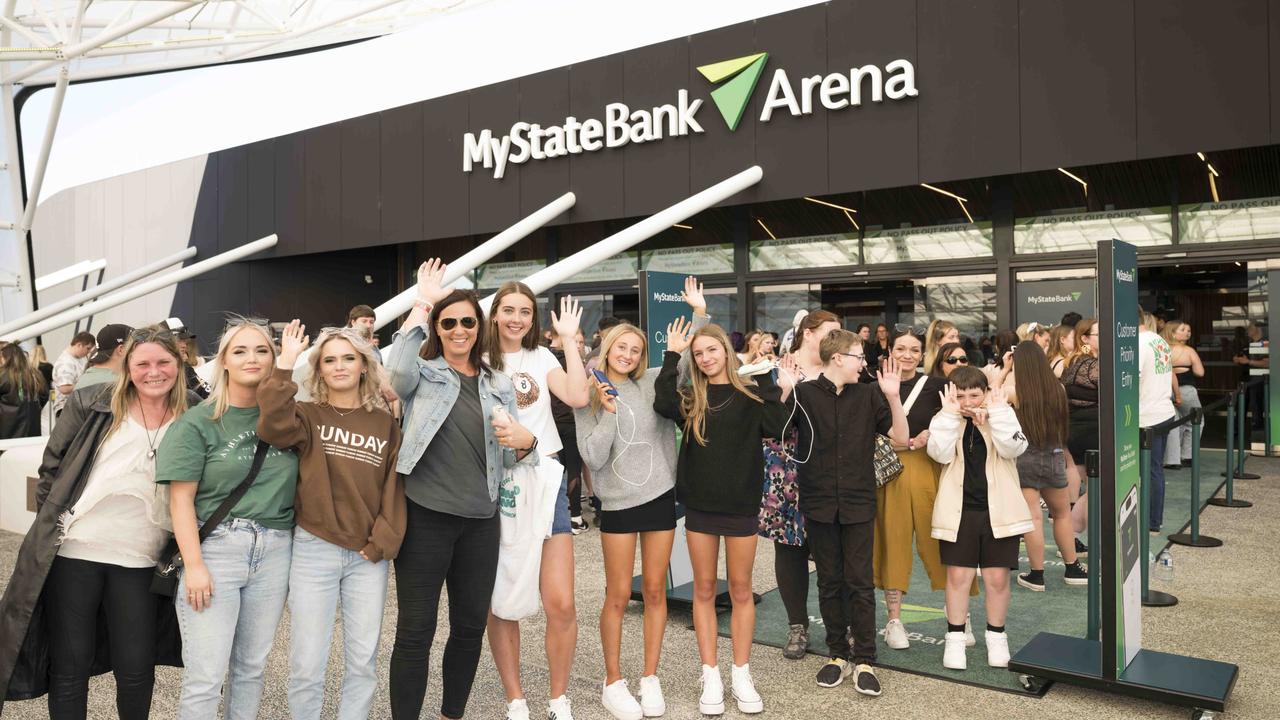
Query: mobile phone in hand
612, 391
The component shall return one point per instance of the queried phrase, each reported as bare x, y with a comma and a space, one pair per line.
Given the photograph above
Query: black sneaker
578, 526
1077, 574
834, 672
797, 642
1033, 580
865, 681
1081, 548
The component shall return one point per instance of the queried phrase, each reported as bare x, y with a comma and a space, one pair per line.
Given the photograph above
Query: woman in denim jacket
460, 434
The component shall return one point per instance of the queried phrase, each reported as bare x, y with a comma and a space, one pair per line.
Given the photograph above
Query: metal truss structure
60, 42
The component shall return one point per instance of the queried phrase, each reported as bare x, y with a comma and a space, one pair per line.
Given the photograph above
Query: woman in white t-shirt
1156, 385
101, 525
513, 349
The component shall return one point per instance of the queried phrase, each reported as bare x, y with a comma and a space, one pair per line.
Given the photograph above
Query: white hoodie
1005, 442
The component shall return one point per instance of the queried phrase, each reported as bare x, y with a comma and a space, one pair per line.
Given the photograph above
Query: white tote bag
526, 506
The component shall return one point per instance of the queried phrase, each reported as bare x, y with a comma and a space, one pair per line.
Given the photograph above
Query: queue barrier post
1093, 495
1150, 598
1244, 438
1194, 538
1230, 500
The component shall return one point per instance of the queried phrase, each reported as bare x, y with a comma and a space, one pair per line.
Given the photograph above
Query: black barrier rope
1150, 598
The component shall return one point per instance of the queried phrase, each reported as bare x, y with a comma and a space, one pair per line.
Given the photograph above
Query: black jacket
837, 439
20, 413
68, 458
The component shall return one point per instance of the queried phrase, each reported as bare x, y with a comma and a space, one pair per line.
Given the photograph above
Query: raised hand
889, 380
431, 281
293, 340
566, 324
997, 396
788, 374
889, 366
679, 335
950, 403
693, 295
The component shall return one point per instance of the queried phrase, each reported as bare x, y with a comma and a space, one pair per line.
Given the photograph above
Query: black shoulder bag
164, 581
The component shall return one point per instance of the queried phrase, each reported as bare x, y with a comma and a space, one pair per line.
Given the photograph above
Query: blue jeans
1179, 445
1158, 446
249, 564
324, 576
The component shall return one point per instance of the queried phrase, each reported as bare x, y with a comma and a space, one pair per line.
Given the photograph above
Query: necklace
339, 413
151, 444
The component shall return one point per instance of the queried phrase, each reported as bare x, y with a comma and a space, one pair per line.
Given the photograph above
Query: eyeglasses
961, 359
468, 322
908, 329
144, 334
858, 356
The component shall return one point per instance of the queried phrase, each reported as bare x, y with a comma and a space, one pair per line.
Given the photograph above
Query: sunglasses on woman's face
961, 359
468, 322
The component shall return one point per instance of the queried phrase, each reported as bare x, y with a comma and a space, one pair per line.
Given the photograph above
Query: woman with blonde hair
631, 451
1062, 343
939, 333
232, 587
1189, 369
100, 528
350, 509
718, 481
23, 391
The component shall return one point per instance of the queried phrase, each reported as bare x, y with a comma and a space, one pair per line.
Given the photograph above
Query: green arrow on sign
1075, 295
731, 98
1128, 415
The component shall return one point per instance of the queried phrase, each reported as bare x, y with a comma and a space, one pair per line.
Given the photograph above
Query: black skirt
722, 524
655, 515
1082, 432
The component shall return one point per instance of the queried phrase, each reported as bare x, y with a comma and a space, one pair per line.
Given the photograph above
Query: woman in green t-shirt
233, 585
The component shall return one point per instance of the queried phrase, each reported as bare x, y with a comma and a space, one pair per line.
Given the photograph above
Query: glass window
815, 251
776, 305
969, 301
619, 267
939, 242
696, 260
1231, 220
492, 275
1082, 231
722, 306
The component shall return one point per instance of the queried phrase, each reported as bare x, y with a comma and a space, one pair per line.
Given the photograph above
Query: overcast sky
113, 127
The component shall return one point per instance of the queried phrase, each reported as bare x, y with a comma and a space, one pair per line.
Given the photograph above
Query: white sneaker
651, 700
712, 700
953, 655
895, 635
619, 702
518, 709
744, 690
558, 709
997, 649
969, 639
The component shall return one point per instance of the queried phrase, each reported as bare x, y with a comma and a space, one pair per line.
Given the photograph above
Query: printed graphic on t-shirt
1163, 355
243, 447
527, 389
343, 443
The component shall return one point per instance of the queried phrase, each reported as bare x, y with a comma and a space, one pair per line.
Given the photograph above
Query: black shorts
657, 514
722, 524
976, 546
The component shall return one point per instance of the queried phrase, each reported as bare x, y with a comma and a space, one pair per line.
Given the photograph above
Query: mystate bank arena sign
737, 79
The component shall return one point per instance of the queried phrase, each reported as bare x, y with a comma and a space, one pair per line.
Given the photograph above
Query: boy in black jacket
838, 420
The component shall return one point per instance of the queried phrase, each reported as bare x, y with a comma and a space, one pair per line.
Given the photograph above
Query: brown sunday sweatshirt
348, 491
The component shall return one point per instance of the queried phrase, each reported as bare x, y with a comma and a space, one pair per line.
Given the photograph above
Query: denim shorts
560, 521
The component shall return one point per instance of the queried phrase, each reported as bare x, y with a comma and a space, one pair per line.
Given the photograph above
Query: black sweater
722, 476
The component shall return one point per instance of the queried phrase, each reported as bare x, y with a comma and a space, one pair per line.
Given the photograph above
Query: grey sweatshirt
599, 444
621, 485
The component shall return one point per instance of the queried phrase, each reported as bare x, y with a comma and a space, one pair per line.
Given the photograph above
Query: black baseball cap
110, 337
178, 328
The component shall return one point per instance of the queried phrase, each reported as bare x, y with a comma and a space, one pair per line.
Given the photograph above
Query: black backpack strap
259, 456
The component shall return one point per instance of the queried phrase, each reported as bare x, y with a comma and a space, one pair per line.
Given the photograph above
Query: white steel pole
145, 288
402, 303
93, 292
69, 273
549, 277
46, 145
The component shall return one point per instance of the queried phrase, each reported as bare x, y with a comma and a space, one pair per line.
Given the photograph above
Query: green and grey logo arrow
1075, 295
731, 97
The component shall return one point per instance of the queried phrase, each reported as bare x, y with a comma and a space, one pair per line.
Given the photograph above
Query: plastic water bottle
1164, 567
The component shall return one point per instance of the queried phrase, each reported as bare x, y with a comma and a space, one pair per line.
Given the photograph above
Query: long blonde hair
125, 392
1170, 329
370, 378
219, 397
614, 334
933, 341
693, 397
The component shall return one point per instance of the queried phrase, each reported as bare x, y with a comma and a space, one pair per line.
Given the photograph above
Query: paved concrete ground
1228, 596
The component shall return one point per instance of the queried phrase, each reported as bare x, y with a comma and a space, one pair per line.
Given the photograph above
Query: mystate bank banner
661, 302
1046, 301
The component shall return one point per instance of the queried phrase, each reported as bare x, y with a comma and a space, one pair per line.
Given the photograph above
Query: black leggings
438, 550
75, 593
791, 568
572, 461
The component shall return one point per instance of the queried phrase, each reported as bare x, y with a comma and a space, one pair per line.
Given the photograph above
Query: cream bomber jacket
1005, 442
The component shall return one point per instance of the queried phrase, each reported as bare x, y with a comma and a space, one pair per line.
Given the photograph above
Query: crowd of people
263, 486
